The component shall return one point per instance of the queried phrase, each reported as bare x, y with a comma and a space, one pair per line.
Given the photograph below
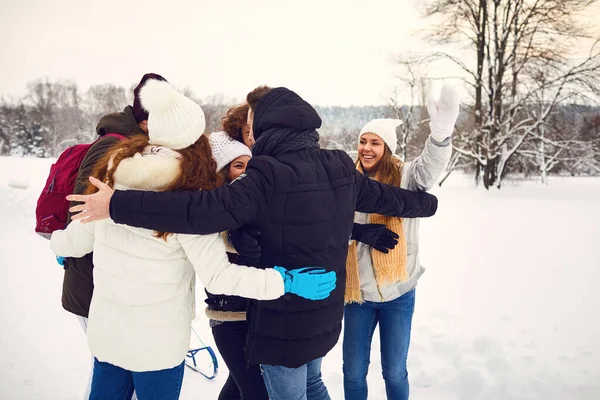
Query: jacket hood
153, 170
283, 108
122, 122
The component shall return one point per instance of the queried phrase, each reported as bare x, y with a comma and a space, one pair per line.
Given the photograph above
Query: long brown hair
197, 172
387, 170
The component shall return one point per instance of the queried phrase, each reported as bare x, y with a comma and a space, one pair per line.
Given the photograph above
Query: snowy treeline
53, 115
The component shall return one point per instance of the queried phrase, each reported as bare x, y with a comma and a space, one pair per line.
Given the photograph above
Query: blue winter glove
312, 283
60, 261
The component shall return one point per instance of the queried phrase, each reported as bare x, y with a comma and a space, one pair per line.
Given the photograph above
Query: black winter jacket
303, 202
78, 282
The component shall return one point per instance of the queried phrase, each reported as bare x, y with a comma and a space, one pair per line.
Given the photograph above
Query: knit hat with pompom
174, 120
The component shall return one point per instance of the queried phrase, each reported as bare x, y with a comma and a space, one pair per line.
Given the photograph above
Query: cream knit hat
225, 149
175, 121
385, 128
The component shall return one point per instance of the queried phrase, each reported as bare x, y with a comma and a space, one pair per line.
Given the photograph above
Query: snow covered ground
508, 307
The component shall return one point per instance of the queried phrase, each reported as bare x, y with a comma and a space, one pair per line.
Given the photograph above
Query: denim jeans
83, 321
302, 383
395, 320
110, 382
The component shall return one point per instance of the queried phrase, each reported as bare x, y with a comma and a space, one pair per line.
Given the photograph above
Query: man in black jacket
303, 200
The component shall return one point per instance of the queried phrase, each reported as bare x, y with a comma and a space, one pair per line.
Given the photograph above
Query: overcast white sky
329, 51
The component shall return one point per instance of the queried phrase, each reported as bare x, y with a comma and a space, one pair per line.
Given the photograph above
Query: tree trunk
542, 162
489, 172
478, 169
481, 43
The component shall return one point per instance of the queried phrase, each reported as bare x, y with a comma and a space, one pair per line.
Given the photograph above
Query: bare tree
215, 108
56, 107
413, 80
512, 44
104, 99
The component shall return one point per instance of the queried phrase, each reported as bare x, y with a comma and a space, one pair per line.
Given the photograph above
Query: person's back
144, 293
308, 220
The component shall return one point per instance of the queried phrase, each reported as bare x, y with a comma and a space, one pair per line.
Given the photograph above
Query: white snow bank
508, 307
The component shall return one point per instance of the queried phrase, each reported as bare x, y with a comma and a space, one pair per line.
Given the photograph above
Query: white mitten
443, 113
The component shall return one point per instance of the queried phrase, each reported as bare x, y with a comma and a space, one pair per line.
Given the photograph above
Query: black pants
244, 382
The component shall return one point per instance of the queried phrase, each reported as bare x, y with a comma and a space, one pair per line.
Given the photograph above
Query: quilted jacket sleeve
76, 240
375, 197
199, 212
422, 172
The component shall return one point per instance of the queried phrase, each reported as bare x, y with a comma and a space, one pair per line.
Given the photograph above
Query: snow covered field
508, 307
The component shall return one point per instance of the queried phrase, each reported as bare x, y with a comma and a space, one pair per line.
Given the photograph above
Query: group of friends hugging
287, 239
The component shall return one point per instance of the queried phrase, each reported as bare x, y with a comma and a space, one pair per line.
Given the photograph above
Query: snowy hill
507, 309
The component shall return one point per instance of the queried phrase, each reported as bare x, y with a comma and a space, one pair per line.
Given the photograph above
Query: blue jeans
110, 382
395, 320
302, 383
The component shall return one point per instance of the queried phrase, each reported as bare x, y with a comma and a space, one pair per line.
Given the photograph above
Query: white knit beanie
385, 128
225, 149
174, 120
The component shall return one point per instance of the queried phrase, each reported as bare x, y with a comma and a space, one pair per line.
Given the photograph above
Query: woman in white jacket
143, 301
380, 285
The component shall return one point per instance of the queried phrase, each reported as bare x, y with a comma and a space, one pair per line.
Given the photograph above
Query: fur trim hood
152, 170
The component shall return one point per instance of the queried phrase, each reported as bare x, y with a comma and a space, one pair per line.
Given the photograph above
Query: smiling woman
380, 282
370, 150
375, 150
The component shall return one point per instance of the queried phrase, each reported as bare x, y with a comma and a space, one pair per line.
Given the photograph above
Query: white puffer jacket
143, 303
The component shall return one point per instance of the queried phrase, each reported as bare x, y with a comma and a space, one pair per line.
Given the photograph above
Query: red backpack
52, 210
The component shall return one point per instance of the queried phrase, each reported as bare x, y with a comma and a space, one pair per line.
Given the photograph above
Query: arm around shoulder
198, 212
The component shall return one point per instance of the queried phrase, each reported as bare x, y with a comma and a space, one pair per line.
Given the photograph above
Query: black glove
375, 235
245, 242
